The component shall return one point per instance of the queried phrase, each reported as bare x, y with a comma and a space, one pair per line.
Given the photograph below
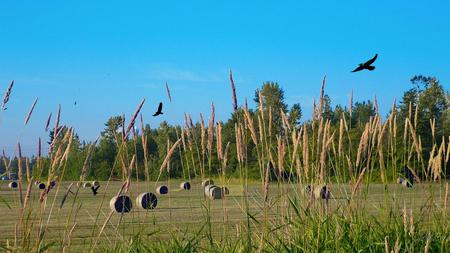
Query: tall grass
277, 217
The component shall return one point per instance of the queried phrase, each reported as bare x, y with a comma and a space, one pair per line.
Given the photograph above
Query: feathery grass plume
233, 90
266, 182
433, 127
19, 173
351, 106
30, 111
168, 150
250, 126
362, 147
203, 134
237, 134
386, 244
446, 196
341, 134
261, 104
350, 166
281, 152
427, 243
133, 119
225, 159
314, 115
219, 141
123, 126
415, 140
395, 126
397, 245
183, 140
447, 156
416, 115
7, 94
168, 156
284, 120
322, 92
305, 151
375, 102
69, 145
168, 92
296, 141
27, 167
211, 130
410, 110
260, 127
48, 122
270, 123
85, 167
359, 181
325, 142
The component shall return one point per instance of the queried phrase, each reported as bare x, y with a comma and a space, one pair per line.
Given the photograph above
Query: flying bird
159, 111
95, 189
366, 65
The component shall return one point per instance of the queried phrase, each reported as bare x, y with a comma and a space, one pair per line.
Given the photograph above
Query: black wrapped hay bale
185, 186
52, 184
41, 186
322, 192
207, 182
121, 204
13, 185
162, 190
95, 183
147, 200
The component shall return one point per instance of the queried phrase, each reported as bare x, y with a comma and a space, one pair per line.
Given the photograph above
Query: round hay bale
147, 200
208, 188
207, 182
213, 192
121, 204
185, 186
13, 185
322, 192
162, 190
87, 185
400, 180
41, 186
36, 183
95, 183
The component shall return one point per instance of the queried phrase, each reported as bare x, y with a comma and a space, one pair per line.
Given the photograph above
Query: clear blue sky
108, 55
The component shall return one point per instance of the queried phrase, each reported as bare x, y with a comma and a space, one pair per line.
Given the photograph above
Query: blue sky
109, 55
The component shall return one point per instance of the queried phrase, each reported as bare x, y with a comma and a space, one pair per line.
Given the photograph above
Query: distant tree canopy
424, 102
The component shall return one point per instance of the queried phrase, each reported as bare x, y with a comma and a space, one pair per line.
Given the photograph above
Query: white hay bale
41, 186
95, 183
213, 192
87, 185
121, 204
13, 185
185, 186
207, 182
147, 200
162, 190
322, 192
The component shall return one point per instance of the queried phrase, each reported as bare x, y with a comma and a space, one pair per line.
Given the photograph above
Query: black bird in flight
94, 189
366, 65
159, 111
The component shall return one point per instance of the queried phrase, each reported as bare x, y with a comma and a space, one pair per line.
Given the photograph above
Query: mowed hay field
185, 213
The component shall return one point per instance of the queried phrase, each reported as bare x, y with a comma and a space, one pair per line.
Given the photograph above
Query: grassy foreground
395, 219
